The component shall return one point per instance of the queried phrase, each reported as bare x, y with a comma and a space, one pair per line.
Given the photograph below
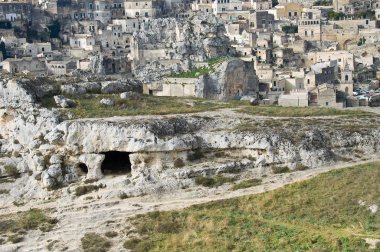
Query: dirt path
102, 213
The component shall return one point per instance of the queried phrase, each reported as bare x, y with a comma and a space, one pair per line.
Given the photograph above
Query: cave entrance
116, 162
83, 167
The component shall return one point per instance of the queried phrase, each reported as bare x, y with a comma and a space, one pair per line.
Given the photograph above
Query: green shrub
246, 184
12, 171
15, 238
111, 234
138, 245
123, 195
301, 167
4, 191
93, 242
280, 169
81, 190
178, 163
213, 181
196, 155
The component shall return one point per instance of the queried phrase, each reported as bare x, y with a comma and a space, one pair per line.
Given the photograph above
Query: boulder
129, 95
112, 87
73, 89
64, 102
107, 102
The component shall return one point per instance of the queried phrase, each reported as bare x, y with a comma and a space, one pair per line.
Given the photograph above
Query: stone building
261, 21
15, 11
309, 25
26, 65
324, 96
221, 6
320, 73
62, 67
142, 8
288, 11
296, 98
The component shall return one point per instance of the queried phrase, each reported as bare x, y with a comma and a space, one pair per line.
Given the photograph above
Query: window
308, 81
346, 77
305, 33
289, 14
137, 4
295, 14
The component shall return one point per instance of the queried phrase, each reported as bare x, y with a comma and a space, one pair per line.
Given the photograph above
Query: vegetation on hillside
14, 227
279, 111
290, 29
322, 3
88, 106
335, 15
194, 73
327, 213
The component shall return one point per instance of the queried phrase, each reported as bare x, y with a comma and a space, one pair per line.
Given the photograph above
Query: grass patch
280, 169
246, 184
16, 225
320, 214
88, 106
213, 181
111, 234
82, 190
178, 163
93, 242
12, 171
4, 191
278, 111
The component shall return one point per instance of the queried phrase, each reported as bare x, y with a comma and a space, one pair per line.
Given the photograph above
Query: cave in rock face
83, 167
116, 162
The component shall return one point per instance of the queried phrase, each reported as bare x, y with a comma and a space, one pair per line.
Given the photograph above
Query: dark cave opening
83, 167
116, 162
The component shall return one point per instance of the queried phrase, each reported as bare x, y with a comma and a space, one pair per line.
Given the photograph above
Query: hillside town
286, 52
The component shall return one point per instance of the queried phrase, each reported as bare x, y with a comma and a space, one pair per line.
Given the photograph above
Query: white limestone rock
73, 89
107, 102
93, 163
64, 102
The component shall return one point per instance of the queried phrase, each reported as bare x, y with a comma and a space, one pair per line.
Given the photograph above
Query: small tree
290, 29
361, 41
3, 49
54, 29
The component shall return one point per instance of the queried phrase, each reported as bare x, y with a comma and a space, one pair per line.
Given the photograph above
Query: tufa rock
64, 102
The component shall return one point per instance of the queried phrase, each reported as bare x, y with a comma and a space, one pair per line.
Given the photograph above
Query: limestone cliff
166, 152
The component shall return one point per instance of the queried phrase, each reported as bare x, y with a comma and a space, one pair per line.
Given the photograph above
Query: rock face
232, 78
199, 38
64, 102
147, 148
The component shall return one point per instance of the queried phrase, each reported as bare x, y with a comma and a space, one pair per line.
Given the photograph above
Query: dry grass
246, 184
88, 106
93, 242
321, 214
278, 111
16, 226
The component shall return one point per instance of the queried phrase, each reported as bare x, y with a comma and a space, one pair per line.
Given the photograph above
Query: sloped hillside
335, 211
